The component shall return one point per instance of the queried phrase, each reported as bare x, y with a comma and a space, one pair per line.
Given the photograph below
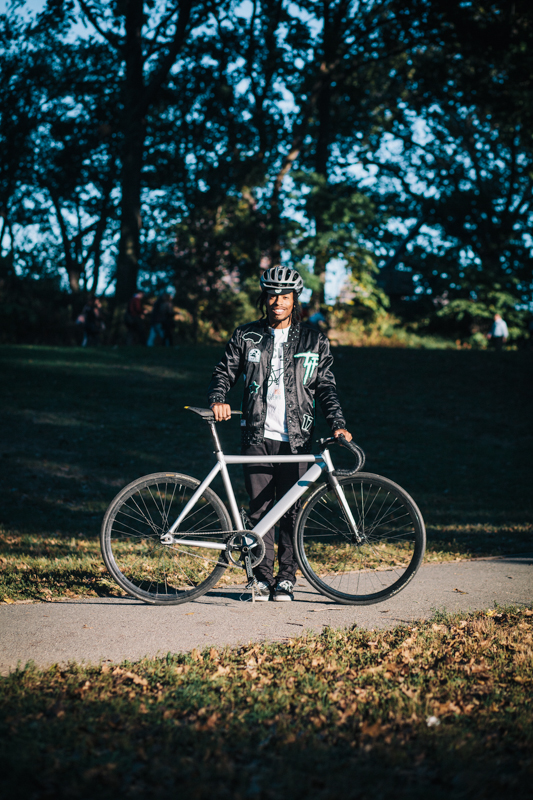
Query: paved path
115, 629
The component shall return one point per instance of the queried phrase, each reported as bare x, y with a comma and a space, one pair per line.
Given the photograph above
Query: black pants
266, 483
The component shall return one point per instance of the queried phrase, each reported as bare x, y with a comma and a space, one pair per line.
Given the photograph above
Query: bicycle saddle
205, 413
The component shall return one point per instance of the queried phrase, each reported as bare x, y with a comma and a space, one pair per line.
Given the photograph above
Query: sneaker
283, 591
262, 590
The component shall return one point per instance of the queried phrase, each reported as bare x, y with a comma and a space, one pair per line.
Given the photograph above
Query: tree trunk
101, 227
2, 231
133, 134
321, 168
323, 145
72, 265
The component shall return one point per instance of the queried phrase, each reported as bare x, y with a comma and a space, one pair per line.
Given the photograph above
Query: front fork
339, 491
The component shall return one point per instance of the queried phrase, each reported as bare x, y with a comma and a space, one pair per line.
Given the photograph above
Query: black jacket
307, 374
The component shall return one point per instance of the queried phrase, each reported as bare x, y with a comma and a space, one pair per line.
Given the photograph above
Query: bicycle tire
130, 539
383, 563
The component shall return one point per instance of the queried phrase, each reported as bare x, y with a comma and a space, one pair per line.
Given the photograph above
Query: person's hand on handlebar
222, 411
343, 432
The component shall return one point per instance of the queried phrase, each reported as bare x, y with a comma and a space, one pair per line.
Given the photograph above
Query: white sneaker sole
283, 598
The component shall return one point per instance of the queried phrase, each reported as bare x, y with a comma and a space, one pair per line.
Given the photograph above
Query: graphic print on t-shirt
276, 417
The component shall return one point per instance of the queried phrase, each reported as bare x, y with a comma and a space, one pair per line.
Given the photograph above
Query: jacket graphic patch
254, 355
310, 362
251, 336
254, 387
307, 422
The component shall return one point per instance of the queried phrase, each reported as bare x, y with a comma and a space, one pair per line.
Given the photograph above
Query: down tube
283, 505
199, 491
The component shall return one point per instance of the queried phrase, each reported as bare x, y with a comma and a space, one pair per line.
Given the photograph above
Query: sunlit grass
327, 558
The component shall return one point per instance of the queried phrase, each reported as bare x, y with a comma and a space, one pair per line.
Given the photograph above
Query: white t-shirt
499, 328
276, 415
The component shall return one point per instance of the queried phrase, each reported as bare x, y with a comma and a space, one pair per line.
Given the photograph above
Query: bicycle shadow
241, 595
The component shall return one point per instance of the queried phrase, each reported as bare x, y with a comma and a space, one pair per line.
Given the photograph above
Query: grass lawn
440, 709
451, 427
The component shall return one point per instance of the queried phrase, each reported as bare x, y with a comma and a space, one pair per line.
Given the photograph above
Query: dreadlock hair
296, 315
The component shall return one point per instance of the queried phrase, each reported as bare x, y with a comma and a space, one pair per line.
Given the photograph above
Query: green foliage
34, 309
215, 254
345, 213
463, 131
471, 320
403, 117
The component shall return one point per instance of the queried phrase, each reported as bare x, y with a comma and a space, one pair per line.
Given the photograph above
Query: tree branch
161, 25
161, 72
69, 261
113, 40
400, 250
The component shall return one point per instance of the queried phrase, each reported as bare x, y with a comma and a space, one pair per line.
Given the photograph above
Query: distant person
162, 319
318, 322
499, 332
169, 323
93, 324
134, 319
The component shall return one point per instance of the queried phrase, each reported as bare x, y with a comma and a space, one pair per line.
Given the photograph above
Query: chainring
240, 539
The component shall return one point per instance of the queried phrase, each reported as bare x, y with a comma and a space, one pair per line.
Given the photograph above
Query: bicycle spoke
132, 539
387, 554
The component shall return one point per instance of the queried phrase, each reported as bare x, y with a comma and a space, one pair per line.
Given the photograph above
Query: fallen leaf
460, 591
212, 720
371, 730
220, 671
371, 670
126, 675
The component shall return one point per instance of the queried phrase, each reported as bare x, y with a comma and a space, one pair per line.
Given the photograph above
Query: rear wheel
131, 539
391, 549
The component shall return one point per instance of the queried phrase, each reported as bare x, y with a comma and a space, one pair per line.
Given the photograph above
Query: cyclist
286, 366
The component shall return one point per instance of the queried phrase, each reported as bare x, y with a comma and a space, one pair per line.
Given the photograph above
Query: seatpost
237, 522
216, 440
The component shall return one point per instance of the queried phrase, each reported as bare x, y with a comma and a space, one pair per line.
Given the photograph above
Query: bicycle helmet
281, 280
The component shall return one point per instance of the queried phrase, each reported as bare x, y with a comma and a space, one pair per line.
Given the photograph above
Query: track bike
359, 538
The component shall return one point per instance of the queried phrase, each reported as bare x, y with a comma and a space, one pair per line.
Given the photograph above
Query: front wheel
390, 550
131, 539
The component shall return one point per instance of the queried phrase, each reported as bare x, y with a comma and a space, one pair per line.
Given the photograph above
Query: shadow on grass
153, 758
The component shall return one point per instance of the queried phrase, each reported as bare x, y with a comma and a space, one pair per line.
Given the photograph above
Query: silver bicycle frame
319, 463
